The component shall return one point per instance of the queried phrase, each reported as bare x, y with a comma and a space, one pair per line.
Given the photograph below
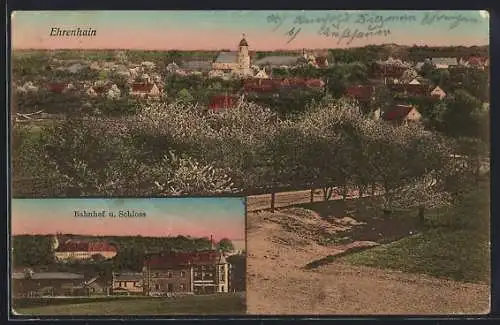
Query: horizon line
223, 49
94, 235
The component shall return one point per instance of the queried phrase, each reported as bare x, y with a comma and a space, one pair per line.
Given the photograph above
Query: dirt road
279, 284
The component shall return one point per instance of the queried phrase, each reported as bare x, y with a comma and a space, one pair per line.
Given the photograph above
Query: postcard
360, 139
109, 257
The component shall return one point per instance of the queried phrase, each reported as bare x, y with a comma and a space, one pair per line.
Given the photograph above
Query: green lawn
455, 244
228, 304
456, 255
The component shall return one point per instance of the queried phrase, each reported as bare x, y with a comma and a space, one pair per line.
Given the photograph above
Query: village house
127, 283
37, 284
438, 92
145, 90
278, 61
199, 272
96, 285
444, 63
402, 114
70, 250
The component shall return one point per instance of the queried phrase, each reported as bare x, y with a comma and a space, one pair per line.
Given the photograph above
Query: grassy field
228, 304
454, 246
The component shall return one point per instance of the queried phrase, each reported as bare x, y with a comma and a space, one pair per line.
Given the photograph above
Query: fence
280, 199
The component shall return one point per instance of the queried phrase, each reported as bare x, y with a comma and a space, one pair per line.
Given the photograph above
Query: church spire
243, 41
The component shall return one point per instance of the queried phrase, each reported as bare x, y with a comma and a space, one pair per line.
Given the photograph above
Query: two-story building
200, 272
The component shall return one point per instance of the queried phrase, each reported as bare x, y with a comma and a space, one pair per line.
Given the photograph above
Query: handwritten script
347, 27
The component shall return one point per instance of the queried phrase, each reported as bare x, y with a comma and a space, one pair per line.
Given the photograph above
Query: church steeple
243, 41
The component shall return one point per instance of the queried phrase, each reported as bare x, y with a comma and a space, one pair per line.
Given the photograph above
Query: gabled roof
227, 57
128, 276
397, 113
444, 61
85, 246
173, 259
278, 60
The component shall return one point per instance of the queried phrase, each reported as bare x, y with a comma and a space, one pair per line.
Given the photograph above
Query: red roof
360, 92
169, 259
56, 87
397, 113
85, 246
142, 87
222, 101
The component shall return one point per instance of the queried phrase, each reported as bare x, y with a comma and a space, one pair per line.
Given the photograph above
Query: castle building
234, 62
70, 250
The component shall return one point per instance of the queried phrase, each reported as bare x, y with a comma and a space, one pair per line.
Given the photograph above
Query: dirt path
278, 283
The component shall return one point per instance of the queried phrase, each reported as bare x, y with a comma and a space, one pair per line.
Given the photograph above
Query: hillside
280, 245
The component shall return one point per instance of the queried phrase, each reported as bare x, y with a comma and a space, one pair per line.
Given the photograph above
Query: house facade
127, 282
202, 272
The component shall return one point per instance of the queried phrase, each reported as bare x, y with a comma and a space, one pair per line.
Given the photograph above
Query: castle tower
243, 56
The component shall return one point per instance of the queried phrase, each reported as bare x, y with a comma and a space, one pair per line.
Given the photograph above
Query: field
229, 304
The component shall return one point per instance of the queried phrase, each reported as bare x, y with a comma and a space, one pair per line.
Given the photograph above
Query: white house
414, 82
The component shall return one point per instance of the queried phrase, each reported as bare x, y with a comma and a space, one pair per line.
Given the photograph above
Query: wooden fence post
273, 199
312, 195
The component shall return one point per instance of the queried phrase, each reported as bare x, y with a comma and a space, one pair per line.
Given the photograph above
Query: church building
235, 62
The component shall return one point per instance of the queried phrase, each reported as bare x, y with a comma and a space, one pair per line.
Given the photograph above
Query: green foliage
184, 96
31, 250
225, 245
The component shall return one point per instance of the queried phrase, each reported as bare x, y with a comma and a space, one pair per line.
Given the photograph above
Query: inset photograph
172, 256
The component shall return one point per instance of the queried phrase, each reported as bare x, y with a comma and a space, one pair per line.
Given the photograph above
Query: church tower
243, 56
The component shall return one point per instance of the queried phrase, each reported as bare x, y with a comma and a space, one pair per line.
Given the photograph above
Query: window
183, 274
157, 274
169, 274
222, 276
157, 286
183, 287
170, 287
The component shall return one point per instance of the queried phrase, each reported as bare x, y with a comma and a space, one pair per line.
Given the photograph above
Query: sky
264, 30
197, 217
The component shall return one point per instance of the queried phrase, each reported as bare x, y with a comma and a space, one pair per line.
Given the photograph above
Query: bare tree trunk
273, 199
327, 193
421, 215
